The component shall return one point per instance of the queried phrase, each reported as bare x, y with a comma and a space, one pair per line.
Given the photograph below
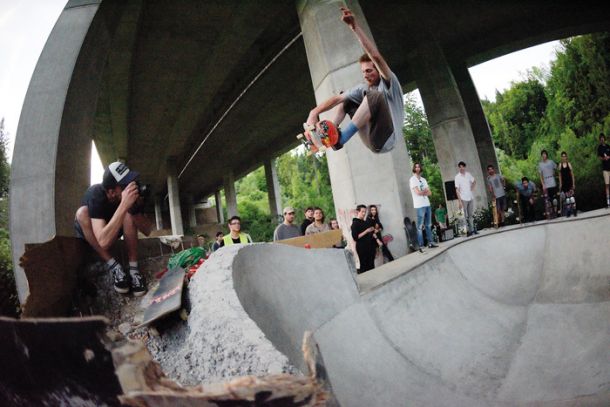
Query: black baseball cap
118, 173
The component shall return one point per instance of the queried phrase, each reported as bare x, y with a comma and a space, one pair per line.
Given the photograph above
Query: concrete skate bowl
514, 318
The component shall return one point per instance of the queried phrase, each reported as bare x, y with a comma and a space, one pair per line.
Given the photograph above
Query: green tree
516, 116
578, 89
417, 133
8, 295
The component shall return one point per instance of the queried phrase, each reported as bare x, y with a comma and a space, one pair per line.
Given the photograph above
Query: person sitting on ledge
108, 211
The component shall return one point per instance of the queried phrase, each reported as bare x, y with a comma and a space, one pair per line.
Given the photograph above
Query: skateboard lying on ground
317, 139
167, 297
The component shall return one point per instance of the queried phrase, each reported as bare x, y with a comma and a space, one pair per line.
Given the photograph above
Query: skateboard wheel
307, 246
300, 136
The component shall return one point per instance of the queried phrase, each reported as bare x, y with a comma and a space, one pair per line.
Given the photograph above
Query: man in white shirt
420, 192
464, 185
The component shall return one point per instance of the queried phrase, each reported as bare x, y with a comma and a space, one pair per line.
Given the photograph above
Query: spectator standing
546, 169
235, 236
308, 219
526, 191
603, 152
334, 225
318, 224
464, 185
373, 218
362, 232
287, 229
218, 242
567, 185
420, 193
496, 185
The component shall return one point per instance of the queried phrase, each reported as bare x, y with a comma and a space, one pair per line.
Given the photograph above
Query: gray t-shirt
496, 183
547, 169
283, 231
392, 93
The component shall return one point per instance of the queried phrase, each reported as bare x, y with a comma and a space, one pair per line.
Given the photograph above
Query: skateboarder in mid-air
376, 107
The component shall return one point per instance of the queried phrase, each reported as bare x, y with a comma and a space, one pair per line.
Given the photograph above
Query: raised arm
369, 46
328, 104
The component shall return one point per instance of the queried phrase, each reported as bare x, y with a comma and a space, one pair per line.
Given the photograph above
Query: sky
25, 26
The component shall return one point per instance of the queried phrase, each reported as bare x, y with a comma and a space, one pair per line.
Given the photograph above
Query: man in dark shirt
603, 152
109, 210
308, 220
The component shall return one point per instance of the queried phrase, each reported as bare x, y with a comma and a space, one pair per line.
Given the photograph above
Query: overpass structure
195, 94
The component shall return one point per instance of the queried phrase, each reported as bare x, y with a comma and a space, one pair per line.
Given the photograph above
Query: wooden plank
318, 241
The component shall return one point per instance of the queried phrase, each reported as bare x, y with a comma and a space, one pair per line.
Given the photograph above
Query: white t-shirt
419, 201
462, 184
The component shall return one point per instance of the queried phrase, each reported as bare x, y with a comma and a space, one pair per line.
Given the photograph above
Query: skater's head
564, 157
525, 182
318, 215
491, 170
288, 215
544, 155
235, 224
602, 138
372, 211
369, 71
219, 236
462, 167
417, 168
334, 224
361, 212
309, 213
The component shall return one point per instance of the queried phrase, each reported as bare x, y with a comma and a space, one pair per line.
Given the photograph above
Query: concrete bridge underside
206, 90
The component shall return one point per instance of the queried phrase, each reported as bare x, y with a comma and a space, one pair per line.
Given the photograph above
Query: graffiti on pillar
344, 217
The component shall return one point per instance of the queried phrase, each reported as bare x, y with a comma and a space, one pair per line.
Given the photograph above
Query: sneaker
475, 233
120, 278
138, 285
468, 234
431, 245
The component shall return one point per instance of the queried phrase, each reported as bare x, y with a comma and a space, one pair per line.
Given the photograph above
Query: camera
143, 189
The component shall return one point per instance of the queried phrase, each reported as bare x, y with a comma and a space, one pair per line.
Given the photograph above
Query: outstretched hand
348, 18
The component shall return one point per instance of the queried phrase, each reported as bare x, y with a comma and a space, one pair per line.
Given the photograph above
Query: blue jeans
424, 214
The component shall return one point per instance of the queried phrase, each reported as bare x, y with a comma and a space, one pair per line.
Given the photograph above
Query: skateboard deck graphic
494, 212
316, 241
317, 139
167, 297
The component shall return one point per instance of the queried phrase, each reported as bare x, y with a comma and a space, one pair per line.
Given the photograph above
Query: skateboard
518, 202
494, 211
317, 139
167, 297
411, 231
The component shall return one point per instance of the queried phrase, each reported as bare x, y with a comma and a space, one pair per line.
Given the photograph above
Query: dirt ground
96, 296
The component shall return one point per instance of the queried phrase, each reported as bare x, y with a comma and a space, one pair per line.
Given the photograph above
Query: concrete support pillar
51, 160
357, 175
219, 214
476, 116
230, 195
451, 129
158, 214
273, 189
173, 192
190, 201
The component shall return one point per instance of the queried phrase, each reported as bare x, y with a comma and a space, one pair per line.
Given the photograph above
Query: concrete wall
517, 317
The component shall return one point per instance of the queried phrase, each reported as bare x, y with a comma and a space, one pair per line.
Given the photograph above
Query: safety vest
243, 239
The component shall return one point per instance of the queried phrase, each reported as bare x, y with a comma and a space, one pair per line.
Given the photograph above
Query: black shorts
381, 126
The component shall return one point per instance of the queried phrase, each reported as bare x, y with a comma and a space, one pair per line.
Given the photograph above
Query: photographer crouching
110, 210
